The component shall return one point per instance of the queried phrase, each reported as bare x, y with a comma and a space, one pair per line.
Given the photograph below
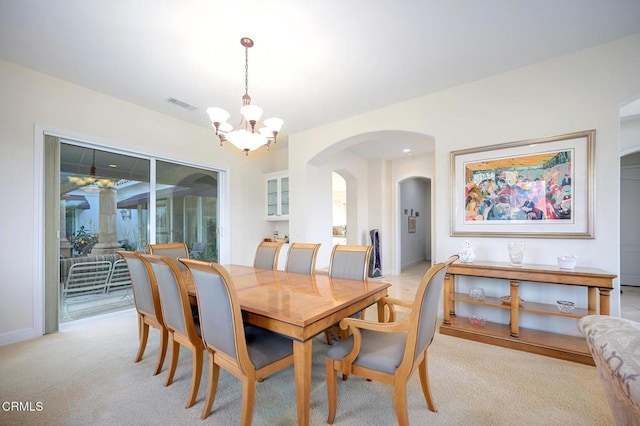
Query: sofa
615, 346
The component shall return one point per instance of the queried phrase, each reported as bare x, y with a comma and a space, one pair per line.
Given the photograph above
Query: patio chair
147, 302
249, 353
390, 352
87, 278
119, 278
178, 318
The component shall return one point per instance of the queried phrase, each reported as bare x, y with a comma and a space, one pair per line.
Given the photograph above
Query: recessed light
113, 166
406, 150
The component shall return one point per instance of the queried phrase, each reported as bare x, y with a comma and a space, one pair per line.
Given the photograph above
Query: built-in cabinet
595, 282
277, 196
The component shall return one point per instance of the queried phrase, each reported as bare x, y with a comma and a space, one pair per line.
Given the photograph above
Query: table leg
592, 304
604, 301
446, 299
302, 367
515, 308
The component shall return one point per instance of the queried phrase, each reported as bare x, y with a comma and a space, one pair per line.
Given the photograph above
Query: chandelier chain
246, 71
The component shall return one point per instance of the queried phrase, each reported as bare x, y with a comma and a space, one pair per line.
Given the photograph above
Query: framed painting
540, 188
412, 225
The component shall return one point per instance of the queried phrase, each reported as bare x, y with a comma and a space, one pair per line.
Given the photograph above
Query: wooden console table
597, 283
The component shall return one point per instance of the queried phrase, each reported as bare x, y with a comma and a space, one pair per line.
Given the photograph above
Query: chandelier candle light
92, 179
245, 137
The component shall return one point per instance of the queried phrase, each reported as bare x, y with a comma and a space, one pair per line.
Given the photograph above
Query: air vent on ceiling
182, 104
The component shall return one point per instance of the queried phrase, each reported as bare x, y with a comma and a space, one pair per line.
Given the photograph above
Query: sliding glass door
187, 208
113, 201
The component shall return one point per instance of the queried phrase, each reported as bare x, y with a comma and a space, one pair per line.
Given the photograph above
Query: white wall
31, 102
576, 92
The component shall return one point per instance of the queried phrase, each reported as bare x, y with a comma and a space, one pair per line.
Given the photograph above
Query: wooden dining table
298, 306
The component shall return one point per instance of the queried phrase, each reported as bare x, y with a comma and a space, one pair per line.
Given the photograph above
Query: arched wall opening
372, 165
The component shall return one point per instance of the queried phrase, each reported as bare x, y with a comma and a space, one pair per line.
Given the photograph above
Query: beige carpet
85, 375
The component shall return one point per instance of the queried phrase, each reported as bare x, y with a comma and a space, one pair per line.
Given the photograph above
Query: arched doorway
415, 221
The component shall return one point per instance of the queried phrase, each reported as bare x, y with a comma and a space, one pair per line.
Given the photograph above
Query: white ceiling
313, 62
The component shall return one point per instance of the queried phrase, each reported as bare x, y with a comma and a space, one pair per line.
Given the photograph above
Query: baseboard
412, 262
18, 336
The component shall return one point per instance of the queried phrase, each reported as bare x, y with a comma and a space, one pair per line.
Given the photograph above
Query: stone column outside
107, 225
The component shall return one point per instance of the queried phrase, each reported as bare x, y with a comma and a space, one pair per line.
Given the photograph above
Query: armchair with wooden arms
390, 352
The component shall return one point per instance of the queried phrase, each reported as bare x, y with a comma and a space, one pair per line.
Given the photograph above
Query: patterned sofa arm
615, 346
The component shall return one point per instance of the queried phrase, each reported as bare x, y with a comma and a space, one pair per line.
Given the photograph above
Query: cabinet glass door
272, 197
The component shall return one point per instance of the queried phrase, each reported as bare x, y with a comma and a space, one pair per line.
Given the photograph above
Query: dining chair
147, 302
349, 262
248, 353
267, 255
178, 318
390, 352
171, 250
301, 258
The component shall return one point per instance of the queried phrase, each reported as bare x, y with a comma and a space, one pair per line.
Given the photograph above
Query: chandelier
245, 136
87, 181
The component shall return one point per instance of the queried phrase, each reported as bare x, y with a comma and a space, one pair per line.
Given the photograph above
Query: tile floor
630, 303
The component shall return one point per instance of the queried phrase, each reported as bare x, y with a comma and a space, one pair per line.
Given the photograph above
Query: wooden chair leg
143, 334
164, 337
175, 351
196, 374
332, 390
400, 402
327, 335
212, 386
344, 334
424, 381
248, 400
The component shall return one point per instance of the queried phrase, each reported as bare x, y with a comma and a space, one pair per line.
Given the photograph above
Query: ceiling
313, 62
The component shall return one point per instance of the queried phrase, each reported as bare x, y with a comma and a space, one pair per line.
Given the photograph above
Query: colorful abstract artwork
530, 187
